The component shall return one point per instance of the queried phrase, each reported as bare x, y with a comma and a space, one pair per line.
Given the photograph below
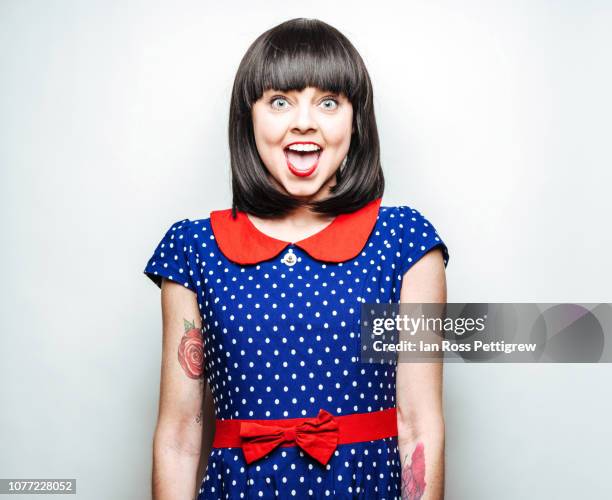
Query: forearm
422, 461
175, 466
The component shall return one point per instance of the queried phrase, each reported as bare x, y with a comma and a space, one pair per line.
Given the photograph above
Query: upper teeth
304, 147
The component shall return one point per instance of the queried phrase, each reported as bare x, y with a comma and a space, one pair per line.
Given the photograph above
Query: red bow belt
318, 436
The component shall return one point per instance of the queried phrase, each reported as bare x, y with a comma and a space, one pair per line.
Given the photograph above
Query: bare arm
208, 431
419, 394
178, 435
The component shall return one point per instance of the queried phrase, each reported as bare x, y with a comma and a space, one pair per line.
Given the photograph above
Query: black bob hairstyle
296, 54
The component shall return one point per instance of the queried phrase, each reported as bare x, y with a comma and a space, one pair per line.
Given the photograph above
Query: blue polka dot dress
281, 325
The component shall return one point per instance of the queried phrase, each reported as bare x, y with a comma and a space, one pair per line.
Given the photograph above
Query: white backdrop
494, 118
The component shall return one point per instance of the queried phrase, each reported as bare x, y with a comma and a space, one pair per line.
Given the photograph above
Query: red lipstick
297, 161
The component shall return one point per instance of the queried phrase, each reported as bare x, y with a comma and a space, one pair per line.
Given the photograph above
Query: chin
302, 191
303, 187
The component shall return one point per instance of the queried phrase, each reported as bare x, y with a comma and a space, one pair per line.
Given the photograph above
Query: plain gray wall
494, 118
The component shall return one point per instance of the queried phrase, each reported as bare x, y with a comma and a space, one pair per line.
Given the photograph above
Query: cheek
267, 130
338, 133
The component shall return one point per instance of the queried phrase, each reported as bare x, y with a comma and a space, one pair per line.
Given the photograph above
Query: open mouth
303, 158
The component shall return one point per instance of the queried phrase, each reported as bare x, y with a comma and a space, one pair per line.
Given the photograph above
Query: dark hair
296, 54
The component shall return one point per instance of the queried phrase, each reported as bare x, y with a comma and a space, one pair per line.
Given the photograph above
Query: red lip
301, 173
295, 171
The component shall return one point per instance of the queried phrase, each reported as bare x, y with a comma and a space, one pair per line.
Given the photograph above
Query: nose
304, 119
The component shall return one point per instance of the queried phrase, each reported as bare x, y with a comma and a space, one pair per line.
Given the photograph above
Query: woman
263, 299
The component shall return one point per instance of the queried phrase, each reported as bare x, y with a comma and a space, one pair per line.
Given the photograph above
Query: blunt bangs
304, 55
294, 55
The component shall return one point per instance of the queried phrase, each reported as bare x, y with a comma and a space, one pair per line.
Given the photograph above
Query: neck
297, 225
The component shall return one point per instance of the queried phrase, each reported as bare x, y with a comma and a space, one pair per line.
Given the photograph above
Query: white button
289, 258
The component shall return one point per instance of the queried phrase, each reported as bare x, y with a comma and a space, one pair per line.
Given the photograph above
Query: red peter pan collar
241, 242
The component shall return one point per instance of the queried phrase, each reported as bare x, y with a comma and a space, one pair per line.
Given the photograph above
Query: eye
330, 100
281, 100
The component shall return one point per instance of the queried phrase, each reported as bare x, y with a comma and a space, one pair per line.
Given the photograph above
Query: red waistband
318, 436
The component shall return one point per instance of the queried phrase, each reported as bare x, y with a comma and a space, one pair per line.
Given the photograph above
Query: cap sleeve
171, 258
419, 236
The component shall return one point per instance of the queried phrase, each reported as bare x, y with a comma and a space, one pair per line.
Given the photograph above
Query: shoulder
178, 232
186, 235
174, 233
402, 215
174, 257
190, 228
180, 226
198, 231
415, 233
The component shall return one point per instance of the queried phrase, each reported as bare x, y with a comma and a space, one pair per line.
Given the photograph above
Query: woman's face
302, 138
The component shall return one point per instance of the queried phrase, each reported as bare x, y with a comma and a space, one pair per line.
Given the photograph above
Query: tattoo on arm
191, 351
413, 475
